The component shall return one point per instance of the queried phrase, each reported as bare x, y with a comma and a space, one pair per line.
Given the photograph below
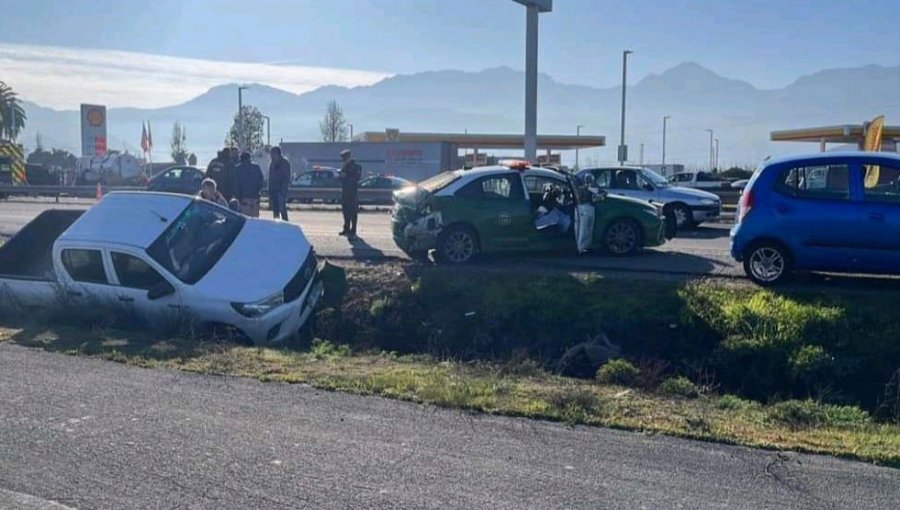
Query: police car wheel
622, 237
457, 245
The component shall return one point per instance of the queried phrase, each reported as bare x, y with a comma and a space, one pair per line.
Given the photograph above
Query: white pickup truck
163, 256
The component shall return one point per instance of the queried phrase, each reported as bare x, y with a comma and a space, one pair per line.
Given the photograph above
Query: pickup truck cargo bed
29, 254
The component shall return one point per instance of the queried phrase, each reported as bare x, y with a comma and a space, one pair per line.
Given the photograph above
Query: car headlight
261, 307
708, 201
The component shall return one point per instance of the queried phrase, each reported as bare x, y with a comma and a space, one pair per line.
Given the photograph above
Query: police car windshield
439, 181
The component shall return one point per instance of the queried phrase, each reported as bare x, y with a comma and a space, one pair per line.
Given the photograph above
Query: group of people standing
234, 180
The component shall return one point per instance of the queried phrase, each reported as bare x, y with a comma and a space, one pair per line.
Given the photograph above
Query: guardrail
294, 194
729, 197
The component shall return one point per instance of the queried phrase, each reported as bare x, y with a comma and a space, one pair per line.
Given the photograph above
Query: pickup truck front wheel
457, 245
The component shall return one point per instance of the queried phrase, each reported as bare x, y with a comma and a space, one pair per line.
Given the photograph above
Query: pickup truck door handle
126, 299
875, 216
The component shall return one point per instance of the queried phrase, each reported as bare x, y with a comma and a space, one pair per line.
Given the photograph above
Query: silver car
690, 207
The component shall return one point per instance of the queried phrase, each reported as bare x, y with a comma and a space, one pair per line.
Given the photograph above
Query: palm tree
12, 115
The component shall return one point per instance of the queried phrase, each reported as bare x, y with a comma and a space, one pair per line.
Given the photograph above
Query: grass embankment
818, 364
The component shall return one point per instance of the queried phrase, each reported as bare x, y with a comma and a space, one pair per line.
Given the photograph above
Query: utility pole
623, 149
642, 154
710, 161
268, 130
241, 89
577, 134
717, 155
665, 120
351, 131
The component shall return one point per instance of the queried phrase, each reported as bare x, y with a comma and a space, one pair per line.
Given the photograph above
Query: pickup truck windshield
196, 240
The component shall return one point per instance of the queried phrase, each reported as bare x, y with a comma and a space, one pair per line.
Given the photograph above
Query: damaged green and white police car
514, 207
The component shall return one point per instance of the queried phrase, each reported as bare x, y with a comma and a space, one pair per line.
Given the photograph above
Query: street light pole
710, 155
578, 134
623, 149
717, 155
351, 131
665, 120
268, 130
241, 89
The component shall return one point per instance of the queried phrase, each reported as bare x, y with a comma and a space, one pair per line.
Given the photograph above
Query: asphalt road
91, 434
702, 251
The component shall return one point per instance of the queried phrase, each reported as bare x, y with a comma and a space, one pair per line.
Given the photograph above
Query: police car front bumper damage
420, 234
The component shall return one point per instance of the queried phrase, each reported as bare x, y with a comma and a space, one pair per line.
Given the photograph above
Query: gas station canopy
486, 141
847, 133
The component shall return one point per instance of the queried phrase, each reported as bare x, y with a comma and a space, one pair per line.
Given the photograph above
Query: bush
679, 387
618, 371
733, 403
809, 413
323, 349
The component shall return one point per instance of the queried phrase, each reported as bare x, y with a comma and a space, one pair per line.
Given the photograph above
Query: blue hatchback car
837, 212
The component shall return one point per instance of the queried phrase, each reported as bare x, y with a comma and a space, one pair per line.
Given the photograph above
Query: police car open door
584, 225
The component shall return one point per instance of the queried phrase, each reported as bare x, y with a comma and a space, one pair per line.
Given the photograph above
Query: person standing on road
221, 170
279, 181
249, 184
351, 172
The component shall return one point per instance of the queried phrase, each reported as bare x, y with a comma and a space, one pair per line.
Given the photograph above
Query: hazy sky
766, 42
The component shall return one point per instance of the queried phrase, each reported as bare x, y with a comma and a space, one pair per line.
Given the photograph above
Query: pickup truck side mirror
160, 290
648, 187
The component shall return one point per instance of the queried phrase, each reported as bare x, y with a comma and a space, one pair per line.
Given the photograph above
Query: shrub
323, 349
733, 403
679, 387
809, 413
618, 371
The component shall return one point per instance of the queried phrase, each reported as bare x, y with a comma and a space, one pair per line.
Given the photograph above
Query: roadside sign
93, 130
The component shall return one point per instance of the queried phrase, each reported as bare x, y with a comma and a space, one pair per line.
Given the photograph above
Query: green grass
500, 389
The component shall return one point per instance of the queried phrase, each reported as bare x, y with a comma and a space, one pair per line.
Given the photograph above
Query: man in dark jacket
279, 181
249, 183
221, 170
351, 172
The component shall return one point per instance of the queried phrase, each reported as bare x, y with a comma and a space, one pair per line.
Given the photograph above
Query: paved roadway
86, 433
703, 251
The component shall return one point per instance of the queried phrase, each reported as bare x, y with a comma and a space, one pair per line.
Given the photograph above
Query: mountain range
491, 101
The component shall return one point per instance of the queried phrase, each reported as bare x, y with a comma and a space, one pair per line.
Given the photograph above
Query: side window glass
84, 266
829, 182
304, 180
174, 174
705, 176
881, 184
601, 179
134, 272
625, 179
497, 187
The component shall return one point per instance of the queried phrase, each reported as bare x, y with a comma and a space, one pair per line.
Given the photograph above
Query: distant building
417, 156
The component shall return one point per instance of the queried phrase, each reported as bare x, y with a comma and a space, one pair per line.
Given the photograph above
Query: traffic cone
99, 191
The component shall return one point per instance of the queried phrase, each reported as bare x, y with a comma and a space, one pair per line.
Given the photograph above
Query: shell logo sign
93, 130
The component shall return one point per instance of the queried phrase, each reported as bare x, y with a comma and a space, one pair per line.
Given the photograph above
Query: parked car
381, 182
320, 177
835, 212
493, 209
177, 179
702, 180
165, 256
690, 207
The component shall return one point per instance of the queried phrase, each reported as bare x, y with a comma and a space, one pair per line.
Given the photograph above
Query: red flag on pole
149, 136
144, 145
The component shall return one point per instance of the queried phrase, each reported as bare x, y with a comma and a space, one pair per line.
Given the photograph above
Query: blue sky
766, 42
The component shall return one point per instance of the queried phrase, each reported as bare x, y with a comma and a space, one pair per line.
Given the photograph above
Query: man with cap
351, 172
